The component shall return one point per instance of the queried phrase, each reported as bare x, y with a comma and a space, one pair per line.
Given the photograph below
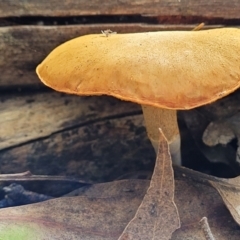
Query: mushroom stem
165, 119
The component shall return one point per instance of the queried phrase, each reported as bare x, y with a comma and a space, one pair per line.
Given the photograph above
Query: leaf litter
157, 216
229, 189
128, 209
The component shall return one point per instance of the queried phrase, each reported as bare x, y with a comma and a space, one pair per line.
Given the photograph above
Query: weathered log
93, 138
99, 151
30, 117
206, 8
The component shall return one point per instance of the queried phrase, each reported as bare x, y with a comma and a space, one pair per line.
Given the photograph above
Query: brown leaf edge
157, 215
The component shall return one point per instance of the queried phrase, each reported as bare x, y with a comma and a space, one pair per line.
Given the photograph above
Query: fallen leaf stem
206, 229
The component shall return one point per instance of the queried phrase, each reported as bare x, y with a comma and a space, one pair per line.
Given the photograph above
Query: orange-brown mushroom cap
174, 70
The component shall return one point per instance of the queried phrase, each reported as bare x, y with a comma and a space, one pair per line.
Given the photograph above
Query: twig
28, 176
199, 27
206, 229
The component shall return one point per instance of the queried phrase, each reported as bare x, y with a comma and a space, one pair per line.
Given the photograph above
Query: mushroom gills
165, 119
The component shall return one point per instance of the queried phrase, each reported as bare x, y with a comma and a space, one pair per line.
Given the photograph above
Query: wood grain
205, 8
99, 151
30, 117
91, 138
24, 47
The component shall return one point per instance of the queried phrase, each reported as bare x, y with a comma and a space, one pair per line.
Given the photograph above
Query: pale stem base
165, 119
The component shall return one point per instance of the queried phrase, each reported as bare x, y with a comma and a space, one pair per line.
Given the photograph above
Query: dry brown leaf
105, 209
229, 189
102, 213
157, 216
195, 199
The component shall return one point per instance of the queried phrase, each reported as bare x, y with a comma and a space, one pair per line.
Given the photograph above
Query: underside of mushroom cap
174, 69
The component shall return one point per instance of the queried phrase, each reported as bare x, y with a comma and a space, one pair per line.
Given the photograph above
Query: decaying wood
24, 47
91, 138
100, 151
29, 117
219, 9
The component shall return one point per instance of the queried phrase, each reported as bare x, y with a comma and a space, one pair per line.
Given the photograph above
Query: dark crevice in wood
20, 90
58, 21
196, 20
115, 19
112, 117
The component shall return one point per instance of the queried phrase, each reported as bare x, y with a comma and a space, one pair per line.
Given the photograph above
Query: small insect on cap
172, 69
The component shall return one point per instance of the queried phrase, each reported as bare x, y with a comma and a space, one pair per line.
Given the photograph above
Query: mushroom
163, 71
